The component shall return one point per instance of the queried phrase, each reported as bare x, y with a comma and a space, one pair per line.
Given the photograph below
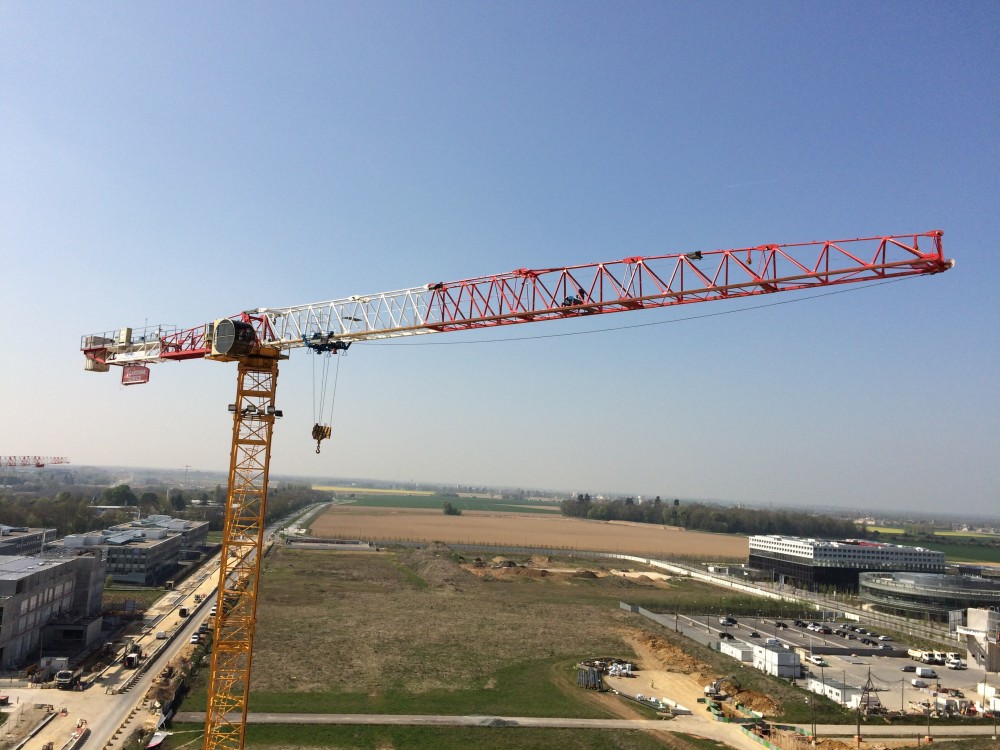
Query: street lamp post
812, 714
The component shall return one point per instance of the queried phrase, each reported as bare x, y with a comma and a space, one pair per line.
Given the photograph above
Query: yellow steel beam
242, 547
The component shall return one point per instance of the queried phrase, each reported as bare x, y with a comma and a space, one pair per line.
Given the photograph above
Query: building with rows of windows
145, 552
20, 540
819, 563
51, 603
926, 595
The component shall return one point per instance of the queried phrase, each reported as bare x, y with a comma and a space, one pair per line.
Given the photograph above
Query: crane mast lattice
258, 339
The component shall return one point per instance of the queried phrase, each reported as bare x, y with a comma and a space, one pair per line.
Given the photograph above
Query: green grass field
458, 738
411, 632
435, 502
971, 553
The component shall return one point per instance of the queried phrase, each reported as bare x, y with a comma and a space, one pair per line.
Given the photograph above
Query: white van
926, 672
918, 683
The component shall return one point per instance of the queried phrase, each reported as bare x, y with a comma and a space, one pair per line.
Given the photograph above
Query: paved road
712, 730
678, 724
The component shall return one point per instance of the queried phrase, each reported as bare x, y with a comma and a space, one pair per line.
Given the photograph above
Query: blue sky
176, 163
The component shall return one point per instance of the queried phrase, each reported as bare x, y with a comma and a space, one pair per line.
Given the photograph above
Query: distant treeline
704, 517
71, 510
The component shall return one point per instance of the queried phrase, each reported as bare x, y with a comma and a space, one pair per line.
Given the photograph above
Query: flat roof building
36, 592
776, 660
145, 552
819, 563
21, 540
925, 595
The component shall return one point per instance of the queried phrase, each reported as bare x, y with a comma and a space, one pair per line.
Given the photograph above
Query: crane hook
320, 432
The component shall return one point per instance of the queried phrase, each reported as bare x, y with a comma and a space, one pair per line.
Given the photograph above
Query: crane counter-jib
525, 296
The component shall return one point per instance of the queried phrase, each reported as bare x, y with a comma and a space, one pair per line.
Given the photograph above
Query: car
195, 638
885, 647
754, 634
908, 668
799, 623
727, 636
851, 637
780, 624
884, 638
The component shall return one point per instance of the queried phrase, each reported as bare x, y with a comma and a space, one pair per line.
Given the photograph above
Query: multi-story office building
145, 552
20, 540
48, 601
927, 595
816, 563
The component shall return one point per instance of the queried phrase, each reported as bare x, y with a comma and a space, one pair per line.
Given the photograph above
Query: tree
451, 510
119, 495
177, 500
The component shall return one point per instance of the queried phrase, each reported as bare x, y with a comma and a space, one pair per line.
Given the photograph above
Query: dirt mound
436, 564
534, 573
670, 657
758, 702
538, 560
588, 574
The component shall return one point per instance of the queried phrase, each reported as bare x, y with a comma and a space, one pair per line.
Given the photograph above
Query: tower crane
39, 462
256, 340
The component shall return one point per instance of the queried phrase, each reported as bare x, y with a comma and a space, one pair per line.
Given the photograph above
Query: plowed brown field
527, 529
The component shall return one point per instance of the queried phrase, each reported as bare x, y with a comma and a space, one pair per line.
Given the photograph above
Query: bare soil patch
526, 529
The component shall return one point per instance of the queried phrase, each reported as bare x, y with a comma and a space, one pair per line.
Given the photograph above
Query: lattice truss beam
242, 543
526, 295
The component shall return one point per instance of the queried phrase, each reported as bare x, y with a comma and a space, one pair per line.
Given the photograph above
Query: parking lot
846, 657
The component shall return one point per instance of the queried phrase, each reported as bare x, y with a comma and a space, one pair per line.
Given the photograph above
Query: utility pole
868, 689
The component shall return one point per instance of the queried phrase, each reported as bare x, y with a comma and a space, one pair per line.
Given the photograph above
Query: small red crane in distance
257, 339
38, 462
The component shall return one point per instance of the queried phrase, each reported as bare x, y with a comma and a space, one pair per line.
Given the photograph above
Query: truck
917, 654
132, 655
67, 679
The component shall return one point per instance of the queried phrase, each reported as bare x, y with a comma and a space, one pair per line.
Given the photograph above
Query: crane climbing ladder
258, 339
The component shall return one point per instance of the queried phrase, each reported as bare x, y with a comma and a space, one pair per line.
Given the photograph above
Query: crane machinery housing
258, 339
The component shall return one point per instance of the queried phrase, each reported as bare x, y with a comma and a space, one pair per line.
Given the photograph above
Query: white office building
813, 563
